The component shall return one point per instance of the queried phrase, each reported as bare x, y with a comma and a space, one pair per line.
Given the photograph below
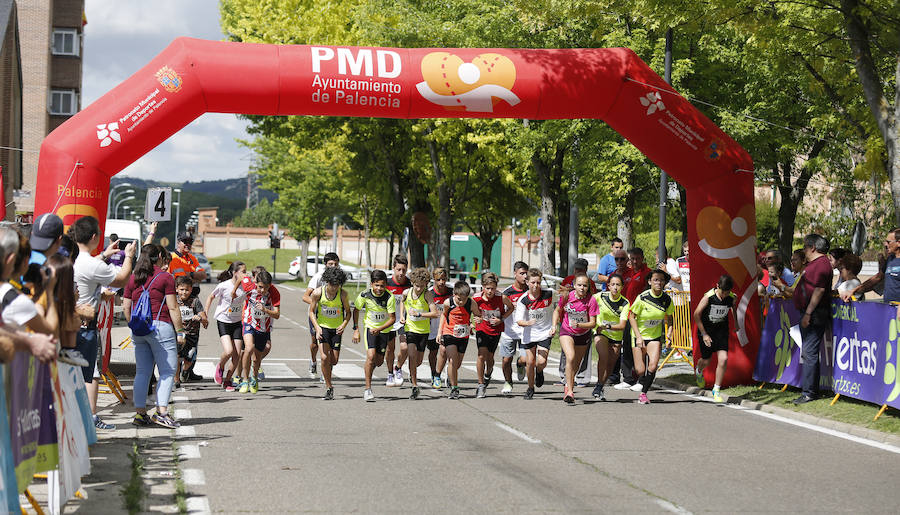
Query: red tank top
457, 319
490, 308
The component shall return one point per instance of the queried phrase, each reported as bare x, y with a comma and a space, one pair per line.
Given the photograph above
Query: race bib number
186, 313
378, 316
461, 330
577, 317
488, 314
234, 308
330, 312
718, 313
258, 313
652, 323
537, 315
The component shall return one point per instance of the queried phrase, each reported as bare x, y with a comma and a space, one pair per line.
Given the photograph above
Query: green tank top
416, 324
330, 312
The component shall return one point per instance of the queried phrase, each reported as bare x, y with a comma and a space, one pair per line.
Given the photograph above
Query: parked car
294, 270
204, 264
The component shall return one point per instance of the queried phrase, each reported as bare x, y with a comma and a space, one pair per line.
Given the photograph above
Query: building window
65, 42
63, 102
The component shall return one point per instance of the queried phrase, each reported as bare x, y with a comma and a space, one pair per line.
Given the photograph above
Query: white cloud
119, 39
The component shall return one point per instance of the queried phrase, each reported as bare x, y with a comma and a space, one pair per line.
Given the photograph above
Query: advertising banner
866, 357
33, 426
9, 496
104, 331
74, 460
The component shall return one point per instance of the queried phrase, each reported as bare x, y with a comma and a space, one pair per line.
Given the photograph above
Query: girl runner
417, 311
646, 316
578, 312
459, 313
261, 305
712, 330
227, 309
494, 308
329, 314
612, 315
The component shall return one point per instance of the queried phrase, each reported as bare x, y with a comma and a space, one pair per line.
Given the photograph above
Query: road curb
827, 423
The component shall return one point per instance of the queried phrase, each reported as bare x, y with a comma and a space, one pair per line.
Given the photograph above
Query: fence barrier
680, 345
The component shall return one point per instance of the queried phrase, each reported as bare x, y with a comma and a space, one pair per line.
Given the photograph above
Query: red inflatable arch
191, 77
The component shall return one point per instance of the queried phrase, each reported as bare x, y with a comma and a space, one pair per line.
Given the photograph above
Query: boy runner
494, 308
534, 314
712, 330
262, 304
329, 313
331, 260
397, 284
646, 319
436, 355
417, 312
378, 304
511, 337
460, 312
192, 317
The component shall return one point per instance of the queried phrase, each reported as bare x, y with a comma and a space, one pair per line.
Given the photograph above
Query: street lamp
177, 205
113, 197
119, 203
109, 202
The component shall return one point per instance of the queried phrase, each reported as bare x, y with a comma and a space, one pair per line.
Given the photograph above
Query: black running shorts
461, 343
417, 339
230, 329
331, 337
487, 341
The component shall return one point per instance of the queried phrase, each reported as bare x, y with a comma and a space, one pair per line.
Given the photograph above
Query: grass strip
133, 491
846, 409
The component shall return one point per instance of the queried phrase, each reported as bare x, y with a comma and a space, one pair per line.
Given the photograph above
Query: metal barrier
680, 344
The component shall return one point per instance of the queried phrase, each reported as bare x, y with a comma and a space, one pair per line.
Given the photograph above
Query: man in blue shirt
888, 271
607, 264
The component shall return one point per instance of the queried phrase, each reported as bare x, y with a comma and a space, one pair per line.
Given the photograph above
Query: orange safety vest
183, 265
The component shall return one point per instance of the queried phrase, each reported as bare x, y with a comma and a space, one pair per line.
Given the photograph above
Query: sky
121, 37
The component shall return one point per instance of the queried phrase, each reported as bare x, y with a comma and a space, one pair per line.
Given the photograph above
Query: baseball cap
186, 237
45, 230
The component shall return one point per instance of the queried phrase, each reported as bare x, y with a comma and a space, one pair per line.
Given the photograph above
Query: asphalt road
285, 450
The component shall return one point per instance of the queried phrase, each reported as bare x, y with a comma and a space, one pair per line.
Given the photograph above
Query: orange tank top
457, 319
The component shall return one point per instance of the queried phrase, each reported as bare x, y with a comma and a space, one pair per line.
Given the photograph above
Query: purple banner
32, 422
866, 354
780, 351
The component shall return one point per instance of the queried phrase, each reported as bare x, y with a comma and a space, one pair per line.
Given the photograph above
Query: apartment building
10, 101
51, 47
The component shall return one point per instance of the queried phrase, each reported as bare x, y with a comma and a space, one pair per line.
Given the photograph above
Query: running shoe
99, 424
245, 387
436, 382
487, 381
312, 369
329, 394
236, 382
636, 387
229, 387
194, 377
598, 391
368, 396
701, 381
254, 385
72, 357
141, 419
529, 394
415, 393
561, 382
622, 386
398, 377
520, 372
165, 421
539, 378
389, 382
507, 388
454, 392
217, 377
581, 384
717, 397
569, 398
261, 375
643, 399
479, 392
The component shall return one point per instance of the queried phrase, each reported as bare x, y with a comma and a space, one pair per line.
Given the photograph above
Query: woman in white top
228, 309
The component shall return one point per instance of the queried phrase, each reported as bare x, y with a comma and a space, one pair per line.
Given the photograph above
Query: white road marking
193, 477
674, 508
516, 432
345, 371
207, 369
812, 427
276, 370
286, 287
187, 452
182, 414
197, 505
185, 432
179, 398
293, 322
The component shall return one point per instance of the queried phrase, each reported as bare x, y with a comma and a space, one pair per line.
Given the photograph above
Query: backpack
142, 321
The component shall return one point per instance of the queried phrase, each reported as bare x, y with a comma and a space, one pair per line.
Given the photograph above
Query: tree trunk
887, 117
366, 232
548, 209
563, 216
791, 197
390, 258
625, 222
487, 245
304, 255
444, 227
318, 244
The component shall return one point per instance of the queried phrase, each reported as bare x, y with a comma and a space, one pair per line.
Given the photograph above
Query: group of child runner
522, 319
